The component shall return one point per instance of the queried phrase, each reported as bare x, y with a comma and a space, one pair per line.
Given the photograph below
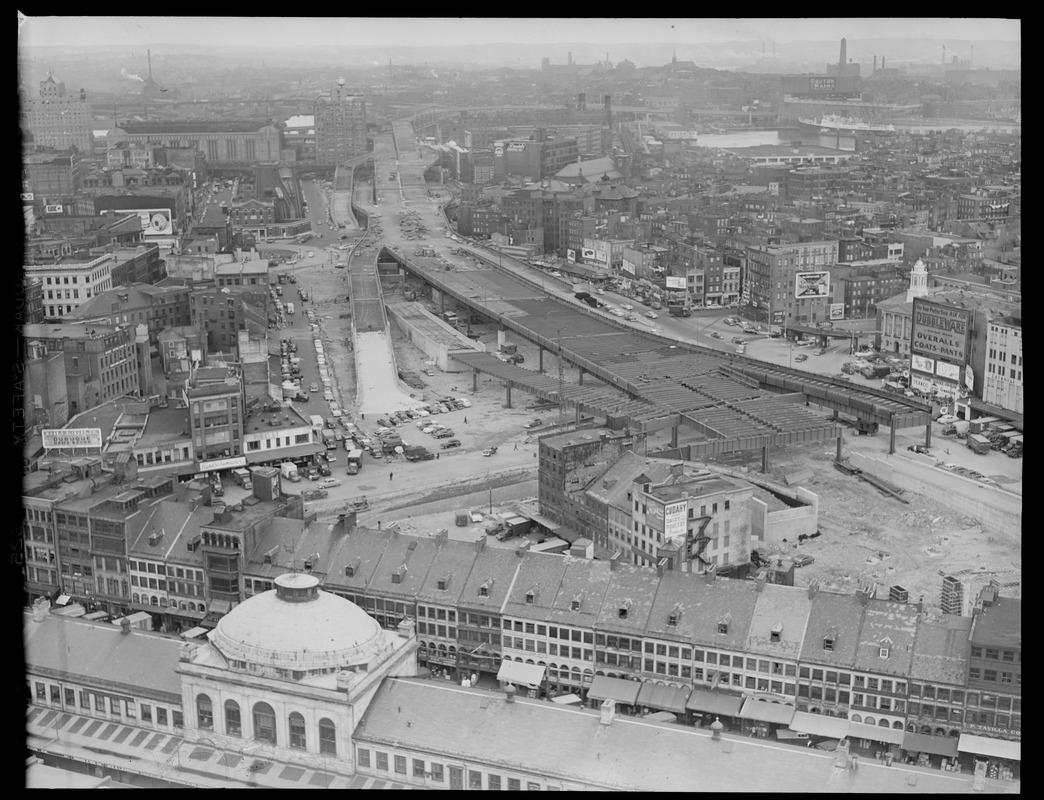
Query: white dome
296, 626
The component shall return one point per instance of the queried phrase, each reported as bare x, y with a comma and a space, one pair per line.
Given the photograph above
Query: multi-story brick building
158, 307
59, 120
769, 284
214, 398
68, 282
994, 689
215, 140
340, 126
1003, 377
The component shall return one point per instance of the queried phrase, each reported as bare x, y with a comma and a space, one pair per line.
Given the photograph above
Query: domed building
288, 673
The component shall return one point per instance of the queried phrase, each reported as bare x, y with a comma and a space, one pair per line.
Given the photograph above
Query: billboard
674, 519
52, 209
627, 266
571, 255
811, 284
57, 438
922, 364
498, 148
222, 463
927, 385
777, 317
940, 331
154, 221
969, 378
837, 311
587, 253
675, 282
516, 147
952, 372
27, 197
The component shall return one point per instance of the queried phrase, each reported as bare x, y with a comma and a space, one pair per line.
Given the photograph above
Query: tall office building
340, 126
59, 120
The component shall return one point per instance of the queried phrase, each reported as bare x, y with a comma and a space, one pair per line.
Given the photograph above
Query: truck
978, 443
354, 459
585, 297
513, 526
329, 439
872, 371
282, 277
450, 317
418, 453
289, 471
242, 477
679, 311
290, 309
316, 421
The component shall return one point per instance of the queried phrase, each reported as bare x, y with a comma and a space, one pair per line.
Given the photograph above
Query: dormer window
484, 588
530, 597
776, 632
883, 652
828, 643
723, 623
574, 605
625, 606
442, 582
349, 570
672, 619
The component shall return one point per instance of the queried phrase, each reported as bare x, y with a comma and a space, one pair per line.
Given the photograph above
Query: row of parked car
441, 406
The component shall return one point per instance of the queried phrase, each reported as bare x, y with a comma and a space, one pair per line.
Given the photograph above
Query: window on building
204, 712
233, 723
382, 761
362, 755
264, 723
400, 765
297, 731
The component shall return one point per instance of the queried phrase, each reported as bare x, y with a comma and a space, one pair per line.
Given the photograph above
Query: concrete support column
581, 375
474, 380
508, 396
540, 354
838, 456
764, 459
928, 434
674, 436
891, 438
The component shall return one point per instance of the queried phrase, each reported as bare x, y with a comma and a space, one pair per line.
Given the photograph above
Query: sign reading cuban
837, 311
59, 438
940, 331
674, 519
811, 284
222, 463
675, 282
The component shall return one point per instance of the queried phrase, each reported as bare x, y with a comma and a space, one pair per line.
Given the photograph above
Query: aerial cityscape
501, 404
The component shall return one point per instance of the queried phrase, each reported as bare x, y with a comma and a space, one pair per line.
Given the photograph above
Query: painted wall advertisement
969, 378
837, 311
58, 438
675, 282
627, 266
940, 331
674, 519
222, 463
811, 284
155, 221
926, 385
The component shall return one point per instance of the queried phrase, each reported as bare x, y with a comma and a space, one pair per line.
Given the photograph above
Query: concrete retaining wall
999, 512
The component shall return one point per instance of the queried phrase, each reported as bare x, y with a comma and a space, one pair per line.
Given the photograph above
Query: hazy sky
407, 31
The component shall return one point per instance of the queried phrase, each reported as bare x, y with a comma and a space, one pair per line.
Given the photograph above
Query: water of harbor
782, 136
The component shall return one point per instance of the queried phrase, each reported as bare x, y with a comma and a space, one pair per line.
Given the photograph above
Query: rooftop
1000, 624
941, 650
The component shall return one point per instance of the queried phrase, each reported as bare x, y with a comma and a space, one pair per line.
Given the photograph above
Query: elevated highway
646, 381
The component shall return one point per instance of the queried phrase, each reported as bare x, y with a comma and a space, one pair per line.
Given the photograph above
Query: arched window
136, 598
154, 600
297, 731
233, 722
264, 723
204, 712
327, 737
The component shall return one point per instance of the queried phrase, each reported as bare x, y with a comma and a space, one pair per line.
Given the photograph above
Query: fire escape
696, 542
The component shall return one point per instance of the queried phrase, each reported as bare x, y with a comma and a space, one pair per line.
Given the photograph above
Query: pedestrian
436, 456
465, 420
391, 475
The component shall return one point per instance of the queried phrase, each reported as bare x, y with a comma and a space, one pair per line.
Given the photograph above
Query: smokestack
609, 111
882, 63
844, 56
150, 63
944, 55
970, 57
875, 63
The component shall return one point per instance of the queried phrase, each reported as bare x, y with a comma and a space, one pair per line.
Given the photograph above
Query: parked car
329, 483
489, 451
314, 387
803, 560
651, 314
801, 357
445, 433
450, 443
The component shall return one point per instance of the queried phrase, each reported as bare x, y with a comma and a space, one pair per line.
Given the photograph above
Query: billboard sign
821, 84
222, 463
587, 253
952, 372
969, 378
154, 221
811, 284
675, 282
922, 364
498, 149
58, 438
27, 197
837, 311
777, 317
627, 266
516, 147
940, 331
674, 519
52, 209
571, 256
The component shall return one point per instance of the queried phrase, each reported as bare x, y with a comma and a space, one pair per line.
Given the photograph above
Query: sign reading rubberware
58, 438
940, 331
674, 519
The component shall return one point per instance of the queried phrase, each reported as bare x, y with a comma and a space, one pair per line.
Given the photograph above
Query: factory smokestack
844, 56
875, 63
150, 63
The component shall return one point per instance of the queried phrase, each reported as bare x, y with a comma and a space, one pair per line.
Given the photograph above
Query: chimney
124, 626
480, 544
607, 711
677, 470
844, 56
520, 551
570, 60
875, 63
347, 521
813, 589
441, 535
711, 573
761, 580
614, 561
661, 566
882, 63
150, 63
509, 694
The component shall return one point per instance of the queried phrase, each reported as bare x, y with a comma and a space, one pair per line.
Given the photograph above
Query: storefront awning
725, 705
661, 716
819, 725
220, 606
195, 633
936, 745
985, 746
517, 672
62, 600
668, 698
764, 711
285, 453
785, 734
875, 733
618, 689
567, 699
